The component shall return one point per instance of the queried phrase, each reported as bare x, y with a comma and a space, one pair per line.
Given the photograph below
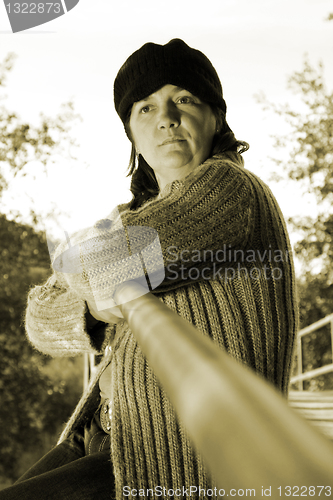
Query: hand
112, 315
128, 291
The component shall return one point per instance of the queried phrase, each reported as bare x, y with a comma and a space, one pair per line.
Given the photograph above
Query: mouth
172, 140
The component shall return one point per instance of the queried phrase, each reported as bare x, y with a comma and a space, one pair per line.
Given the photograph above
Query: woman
228, 270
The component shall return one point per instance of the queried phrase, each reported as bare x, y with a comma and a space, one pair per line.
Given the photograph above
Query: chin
176, 160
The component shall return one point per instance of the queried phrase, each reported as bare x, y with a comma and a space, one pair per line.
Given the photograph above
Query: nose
169, 116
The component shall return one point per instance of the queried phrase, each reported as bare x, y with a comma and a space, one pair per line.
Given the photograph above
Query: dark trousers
67, 472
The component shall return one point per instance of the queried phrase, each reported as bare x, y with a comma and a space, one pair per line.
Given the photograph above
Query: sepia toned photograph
166, 242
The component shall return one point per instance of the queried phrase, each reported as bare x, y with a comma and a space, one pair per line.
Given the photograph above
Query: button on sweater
228, 271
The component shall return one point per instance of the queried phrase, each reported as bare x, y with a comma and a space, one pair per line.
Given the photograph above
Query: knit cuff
55, 321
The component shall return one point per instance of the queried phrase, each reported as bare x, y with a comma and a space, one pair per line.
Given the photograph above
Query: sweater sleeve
57, 323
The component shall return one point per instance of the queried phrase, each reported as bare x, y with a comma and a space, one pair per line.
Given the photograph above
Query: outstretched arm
58, 322
244, 429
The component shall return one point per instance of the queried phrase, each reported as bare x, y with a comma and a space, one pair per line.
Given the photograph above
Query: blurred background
64, 158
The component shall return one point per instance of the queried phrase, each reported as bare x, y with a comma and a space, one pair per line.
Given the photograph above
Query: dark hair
144, 184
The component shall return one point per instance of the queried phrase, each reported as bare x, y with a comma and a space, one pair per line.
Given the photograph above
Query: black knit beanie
153, 66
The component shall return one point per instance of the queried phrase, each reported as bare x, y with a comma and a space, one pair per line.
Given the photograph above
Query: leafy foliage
21, 142
37, 393
310, 162
35, 396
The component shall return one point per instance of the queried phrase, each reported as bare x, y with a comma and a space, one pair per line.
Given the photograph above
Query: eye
145, 109
185, 99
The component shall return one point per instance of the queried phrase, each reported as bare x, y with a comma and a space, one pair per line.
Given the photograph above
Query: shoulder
233, 163
224, 172
250, 191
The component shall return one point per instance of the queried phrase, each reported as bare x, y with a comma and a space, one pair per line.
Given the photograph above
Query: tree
36, 397
34, 400
20, 142
310, 163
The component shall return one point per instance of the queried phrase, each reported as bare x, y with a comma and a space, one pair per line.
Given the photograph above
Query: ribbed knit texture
250, 314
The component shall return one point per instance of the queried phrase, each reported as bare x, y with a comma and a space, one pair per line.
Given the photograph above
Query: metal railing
88, 368
300, 377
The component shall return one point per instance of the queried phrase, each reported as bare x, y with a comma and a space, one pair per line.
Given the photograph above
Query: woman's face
173, 130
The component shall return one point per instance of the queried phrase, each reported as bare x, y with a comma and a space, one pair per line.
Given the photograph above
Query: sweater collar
232, 156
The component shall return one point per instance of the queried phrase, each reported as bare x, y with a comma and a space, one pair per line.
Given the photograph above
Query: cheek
211, 123
211, 129
134, 131
204, 126
141, 142
205, 132
139, 137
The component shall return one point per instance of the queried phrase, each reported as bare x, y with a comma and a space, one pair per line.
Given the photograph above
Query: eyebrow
176, 89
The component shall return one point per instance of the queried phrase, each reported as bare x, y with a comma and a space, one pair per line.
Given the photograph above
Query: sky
254, 45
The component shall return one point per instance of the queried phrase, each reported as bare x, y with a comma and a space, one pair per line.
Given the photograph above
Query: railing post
332, 336
299, 362
86, 371
300, 377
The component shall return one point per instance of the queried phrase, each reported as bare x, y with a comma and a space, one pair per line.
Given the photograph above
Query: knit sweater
228, 271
